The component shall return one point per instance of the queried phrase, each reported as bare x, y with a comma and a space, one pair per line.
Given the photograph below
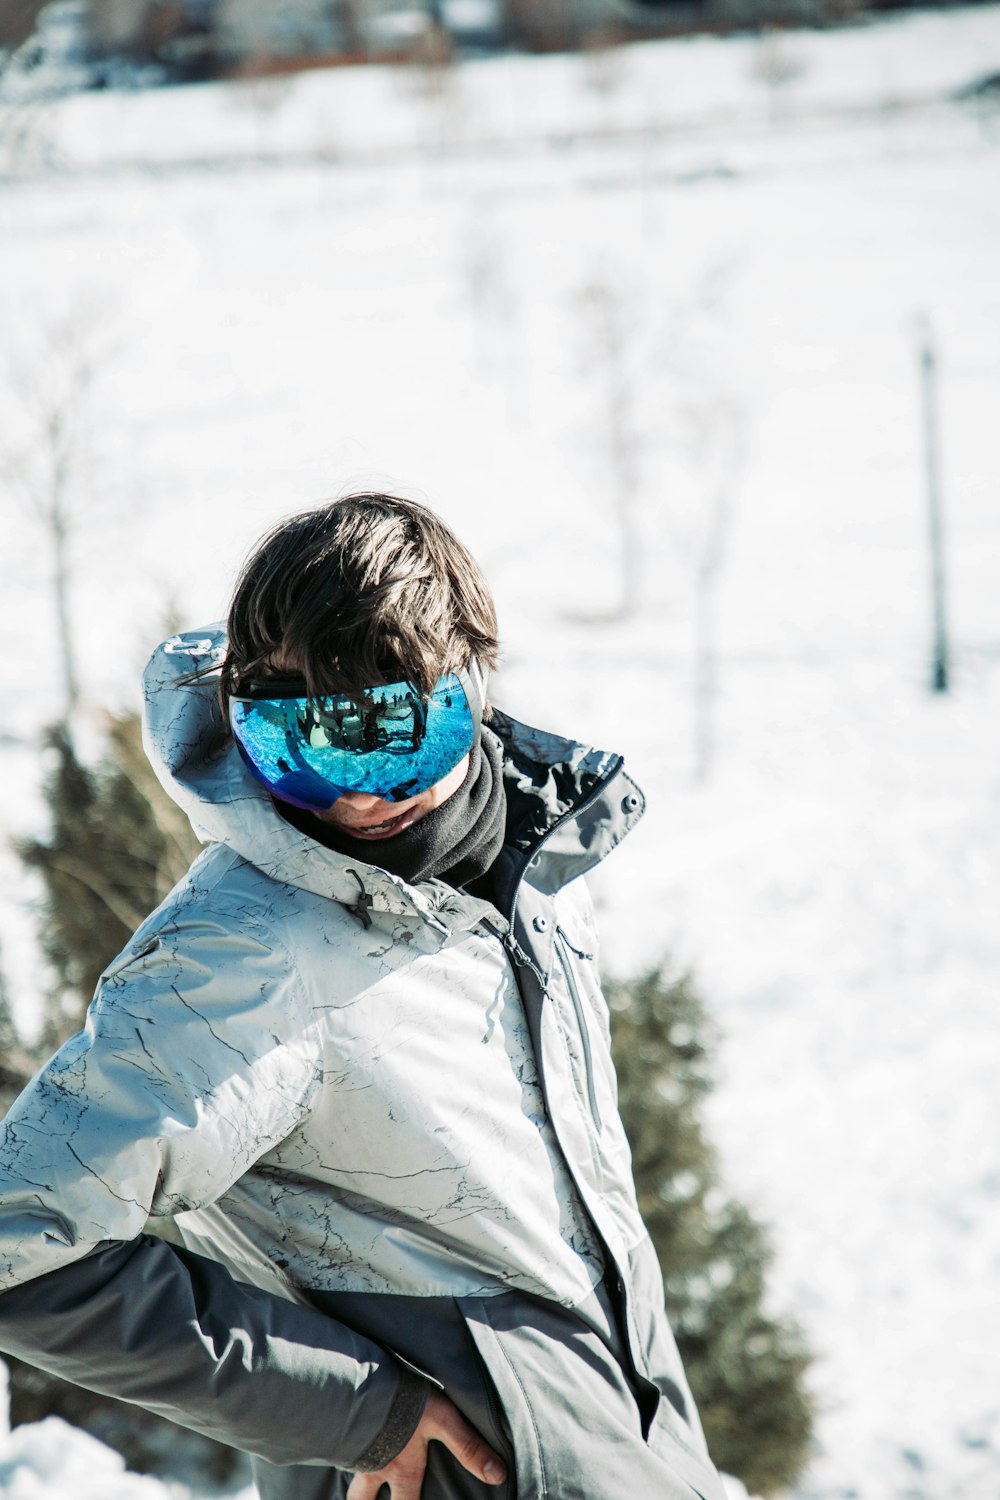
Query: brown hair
370, 588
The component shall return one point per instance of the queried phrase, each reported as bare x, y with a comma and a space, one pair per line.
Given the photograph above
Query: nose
361, 802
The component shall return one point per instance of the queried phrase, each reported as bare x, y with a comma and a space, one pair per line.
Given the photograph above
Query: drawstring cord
362, 907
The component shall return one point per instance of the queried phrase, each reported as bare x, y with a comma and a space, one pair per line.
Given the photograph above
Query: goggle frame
284, 736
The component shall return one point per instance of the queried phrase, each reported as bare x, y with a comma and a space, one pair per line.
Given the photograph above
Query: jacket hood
562, 815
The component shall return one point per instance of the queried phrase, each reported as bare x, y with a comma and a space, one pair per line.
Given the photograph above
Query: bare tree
484, 276
940, 681
430, 75
263, 94
609, 329
497, 331
26, 144
707, 430
775, 65
47, 461
716, 434
689, 404
602, 51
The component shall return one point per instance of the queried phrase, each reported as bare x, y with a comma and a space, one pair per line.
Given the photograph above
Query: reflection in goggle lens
391, 719
392, 742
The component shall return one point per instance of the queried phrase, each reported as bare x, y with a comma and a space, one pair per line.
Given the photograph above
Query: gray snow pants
542, 1388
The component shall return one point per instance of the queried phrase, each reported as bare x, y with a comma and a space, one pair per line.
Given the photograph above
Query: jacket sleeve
197, 1058
175, 1333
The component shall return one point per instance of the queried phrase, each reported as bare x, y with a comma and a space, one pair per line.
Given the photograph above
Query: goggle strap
479, 677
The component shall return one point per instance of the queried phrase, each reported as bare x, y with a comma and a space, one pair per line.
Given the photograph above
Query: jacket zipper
505, 933
581, 1021
523, 961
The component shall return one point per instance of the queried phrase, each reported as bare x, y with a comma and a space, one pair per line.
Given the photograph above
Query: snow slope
383, 279
51, 1460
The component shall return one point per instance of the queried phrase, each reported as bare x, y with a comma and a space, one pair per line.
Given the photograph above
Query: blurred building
112, 42
210, 38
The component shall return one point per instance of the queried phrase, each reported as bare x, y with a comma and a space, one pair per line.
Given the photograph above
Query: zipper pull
571, 945
504, 932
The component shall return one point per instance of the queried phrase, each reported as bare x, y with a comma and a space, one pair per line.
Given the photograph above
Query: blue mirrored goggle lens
393, 743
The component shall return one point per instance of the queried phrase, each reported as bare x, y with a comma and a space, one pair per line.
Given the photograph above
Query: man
354, 1073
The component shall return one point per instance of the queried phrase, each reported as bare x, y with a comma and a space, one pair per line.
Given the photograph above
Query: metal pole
940, 663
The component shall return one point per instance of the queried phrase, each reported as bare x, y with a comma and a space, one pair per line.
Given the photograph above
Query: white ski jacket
328, 1083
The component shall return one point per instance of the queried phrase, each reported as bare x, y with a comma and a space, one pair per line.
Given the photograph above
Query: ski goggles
391, 742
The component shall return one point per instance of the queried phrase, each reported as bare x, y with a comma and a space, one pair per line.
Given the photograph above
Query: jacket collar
567, 805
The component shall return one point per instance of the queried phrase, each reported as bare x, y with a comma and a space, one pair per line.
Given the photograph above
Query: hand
444, 1423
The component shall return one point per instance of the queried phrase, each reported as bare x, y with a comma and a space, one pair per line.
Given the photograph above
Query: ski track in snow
344, 282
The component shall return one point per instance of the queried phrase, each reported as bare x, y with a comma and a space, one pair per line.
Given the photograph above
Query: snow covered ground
444, 285
51, 1460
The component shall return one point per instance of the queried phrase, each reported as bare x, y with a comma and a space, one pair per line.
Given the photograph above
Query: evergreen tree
746, 1368
117, 844
15, 1066
8, 1031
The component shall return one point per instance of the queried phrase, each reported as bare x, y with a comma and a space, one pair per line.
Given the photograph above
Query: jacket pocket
566, 959
513, 1413
694, 1469
573, 1418
434, 1337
